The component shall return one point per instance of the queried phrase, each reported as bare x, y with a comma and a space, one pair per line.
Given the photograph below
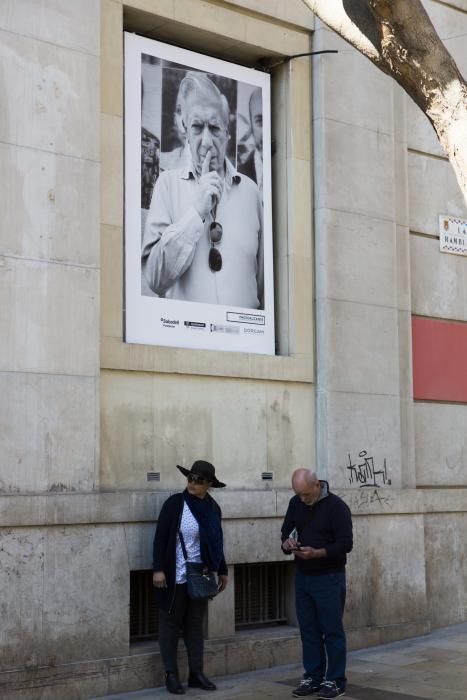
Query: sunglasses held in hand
215, 237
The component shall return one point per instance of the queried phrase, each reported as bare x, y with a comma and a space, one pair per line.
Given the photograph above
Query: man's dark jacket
326, 524
164, 548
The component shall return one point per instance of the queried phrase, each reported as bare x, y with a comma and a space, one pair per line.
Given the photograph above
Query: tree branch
335, 15
399, 38
412, 50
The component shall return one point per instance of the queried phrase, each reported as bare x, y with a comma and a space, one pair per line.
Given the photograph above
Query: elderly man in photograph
203, 239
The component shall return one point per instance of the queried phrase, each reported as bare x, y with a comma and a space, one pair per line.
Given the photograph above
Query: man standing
203, 239
318, 529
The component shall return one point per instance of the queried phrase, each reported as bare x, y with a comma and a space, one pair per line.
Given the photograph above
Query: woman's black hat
204, 470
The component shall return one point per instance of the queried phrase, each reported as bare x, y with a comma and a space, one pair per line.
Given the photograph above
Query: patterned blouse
190, 530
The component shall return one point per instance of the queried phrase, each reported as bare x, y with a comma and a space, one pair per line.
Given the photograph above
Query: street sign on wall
452, 235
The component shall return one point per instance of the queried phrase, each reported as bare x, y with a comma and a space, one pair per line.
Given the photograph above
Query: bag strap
182, 542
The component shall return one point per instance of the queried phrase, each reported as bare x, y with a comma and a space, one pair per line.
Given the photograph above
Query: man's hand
290, 545
222, 581
209, 190
158, 579
310, 553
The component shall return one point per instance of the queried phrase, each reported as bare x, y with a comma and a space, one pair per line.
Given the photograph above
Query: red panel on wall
439, 359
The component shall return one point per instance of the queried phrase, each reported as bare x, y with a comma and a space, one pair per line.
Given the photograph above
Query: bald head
306, 485
256, 117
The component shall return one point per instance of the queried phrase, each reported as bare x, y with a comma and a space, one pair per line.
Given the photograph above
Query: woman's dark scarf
210, 530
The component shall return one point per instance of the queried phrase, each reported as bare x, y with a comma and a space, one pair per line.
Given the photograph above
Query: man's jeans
319, 602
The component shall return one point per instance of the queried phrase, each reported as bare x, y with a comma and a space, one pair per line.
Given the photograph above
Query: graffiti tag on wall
366, 473
368, 498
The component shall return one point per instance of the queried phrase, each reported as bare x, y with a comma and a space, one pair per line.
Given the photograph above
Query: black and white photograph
198, 231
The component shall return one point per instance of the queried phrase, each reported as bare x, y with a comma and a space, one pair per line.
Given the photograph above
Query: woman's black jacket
165, 542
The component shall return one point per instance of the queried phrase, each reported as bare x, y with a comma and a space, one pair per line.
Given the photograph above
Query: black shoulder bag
200, 582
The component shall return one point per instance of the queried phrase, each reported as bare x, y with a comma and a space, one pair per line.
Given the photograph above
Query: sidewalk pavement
433, 666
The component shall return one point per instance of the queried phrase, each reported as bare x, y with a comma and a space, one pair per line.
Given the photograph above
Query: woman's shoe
173, 685
199, 680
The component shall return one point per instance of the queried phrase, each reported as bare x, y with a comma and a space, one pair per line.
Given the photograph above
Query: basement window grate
153, 476
260, 594
144, 618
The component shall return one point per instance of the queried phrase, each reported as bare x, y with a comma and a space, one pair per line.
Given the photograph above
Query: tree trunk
399, 38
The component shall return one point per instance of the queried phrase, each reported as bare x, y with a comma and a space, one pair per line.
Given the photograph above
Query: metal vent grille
267, 476
144, 618
153, 476
260, 594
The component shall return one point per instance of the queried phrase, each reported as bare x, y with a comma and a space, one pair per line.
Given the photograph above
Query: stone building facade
359, 181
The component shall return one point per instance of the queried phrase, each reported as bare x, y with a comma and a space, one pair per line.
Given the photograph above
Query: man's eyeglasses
194, 479
215, 237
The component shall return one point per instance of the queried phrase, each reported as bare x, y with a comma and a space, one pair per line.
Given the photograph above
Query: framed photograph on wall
198, 223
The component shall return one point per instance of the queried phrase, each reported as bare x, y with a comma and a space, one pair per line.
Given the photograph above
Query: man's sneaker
330, 689
306, 687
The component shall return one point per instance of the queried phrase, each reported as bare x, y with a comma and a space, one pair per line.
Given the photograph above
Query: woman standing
198, 517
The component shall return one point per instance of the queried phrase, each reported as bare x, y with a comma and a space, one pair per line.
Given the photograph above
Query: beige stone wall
381, 180
439, 290
70, 546
163, 406
49, 247
154, 422
49, 330
61, 165
362, 274
438, 281
84, 416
